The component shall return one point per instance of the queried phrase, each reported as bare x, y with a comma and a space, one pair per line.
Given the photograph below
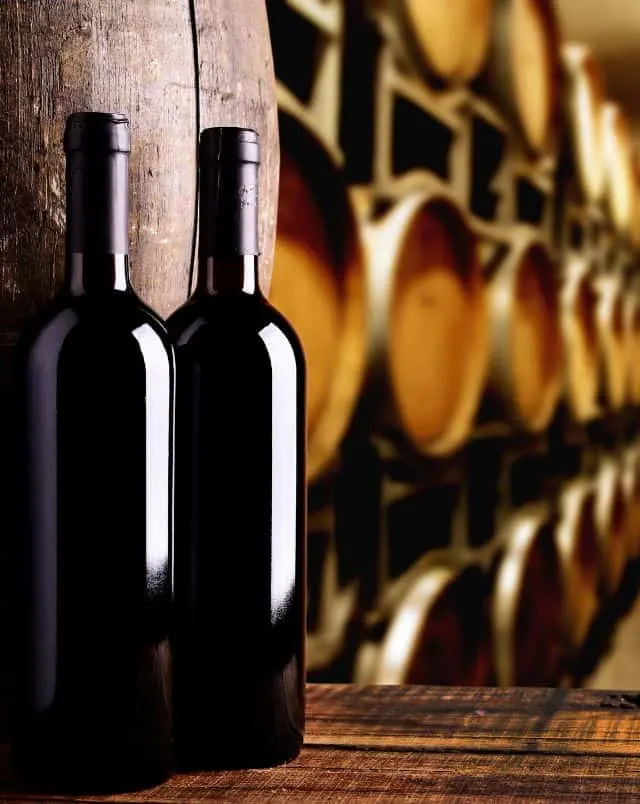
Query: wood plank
434, 744
466, 718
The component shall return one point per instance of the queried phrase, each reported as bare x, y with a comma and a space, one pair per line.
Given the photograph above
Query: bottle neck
228, 275
228, 238
97, 241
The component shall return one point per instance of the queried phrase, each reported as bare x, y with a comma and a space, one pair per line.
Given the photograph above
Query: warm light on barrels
448, 39
428, 312
318, 284
631, 485
632, 347
523, 67
577, 541
578, 303
438, 633
612, 339
526, 350
528, 603
612, 517
583, 111
619, 173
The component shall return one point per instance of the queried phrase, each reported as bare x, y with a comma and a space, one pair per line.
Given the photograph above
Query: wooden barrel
334, 606
525, 374
631, 486
578, 304
612, 518
528, 605
437, 634
427, 303
632, 347
72, 60
584, 100
577, 542
634, 357
319, 282
634, 228
523, 70
445, 39
620, 185
612, 338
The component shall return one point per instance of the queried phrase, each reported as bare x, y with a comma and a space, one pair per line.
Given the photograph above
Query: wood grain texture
237, 87
367, 744
131, 56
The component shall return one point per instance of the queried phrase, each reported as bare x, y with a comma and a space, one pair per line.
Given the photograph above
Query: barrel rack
467, 528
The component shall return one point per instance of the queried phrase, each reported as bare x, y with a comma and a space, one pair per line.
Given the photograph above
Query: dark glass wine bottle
240, 489
95, 390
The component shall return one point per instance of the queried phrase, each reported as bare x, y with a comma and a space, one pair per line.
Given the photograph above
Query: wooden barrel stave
619, 173
437, 634
612, 518
523, 69
634, 228
336, 607
584, 99
528, 605
447, 40
428, 349
578, 302
631, 314
66, 56
577, 542
631, 486
525, 371
611, 339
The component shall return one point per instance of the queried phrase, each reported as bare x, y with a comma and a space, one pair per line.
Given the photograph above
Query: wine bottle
95, 393
240, 488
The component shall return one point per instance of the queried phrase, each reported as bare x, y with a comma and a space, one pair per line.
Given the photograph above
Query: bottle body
240, 559
96, 402
95, 411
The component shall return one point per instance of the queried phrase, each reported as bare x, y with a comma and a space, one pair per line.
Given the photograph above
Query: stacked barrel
457, 246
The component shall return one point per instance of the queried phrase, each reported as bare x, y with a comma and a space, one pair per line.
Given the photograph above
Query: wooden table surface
436, 744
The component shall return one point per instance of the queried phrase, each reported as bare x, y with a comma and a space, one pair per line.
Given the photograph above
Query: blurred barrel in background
528, 603
577, 542
631, 312
526, 351
428, 319
448, 40
631, 485
523, 68
612, 339
438, 633
578, 302
489, 178
619, 174
584, 100
612, 518
634, 230
319, 283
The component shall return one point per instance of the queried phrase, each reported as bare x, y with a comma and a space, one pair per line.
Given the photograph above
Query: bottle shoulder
242, 317
116, 317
